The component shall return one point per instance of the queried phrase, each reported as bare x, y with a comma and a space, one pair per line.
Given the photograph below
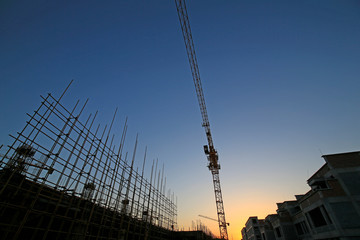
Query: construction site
69, 172
64, 177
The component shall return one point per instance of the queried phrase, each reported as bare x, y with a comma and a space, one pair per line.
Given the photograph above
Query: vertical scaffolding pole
62, 179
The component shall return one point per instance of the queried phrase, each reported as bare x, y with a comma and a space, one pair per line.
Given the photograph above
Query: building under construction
63, 177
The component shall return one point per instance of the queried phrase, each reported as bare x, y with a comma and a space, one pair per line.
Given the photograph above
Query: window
317, 217
304, 226
319, 184
278, 232
322, 185
299, 229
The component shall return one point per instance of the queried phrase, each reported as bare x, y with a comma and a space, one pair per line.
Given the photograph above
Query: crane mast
209, 149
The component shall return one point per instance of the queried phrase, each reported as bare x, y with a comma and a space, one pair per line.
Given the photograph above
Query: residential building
253, 228
243, 234
329, 211
267, 230
332, 206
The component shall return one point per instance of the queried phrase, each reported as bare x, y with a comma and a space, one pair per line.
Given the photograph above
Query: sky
280, 79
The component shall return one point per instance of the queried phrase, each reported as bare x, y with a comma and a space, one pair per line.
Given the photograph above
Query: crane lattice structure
209, 149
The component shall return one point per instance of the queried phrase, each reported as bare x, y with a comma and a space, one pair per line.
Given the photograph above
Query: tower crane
209, 149
211, 218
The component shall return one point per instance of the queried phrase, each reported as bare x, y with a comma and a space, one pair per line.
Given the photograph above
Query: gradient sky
281, 83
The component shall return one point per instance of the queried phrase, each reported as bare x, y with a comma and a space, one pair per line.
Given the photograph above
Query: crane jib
209, 149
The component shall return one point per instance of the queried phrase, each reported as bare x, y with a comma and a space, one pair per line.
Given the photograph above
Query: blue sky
281, 83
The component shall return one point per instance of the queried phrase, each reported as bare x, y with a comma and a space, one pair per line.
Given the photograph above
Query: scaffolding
65, 178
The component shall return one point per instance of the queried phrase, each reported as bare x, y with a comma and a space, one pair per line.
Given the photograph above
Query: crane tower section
209, 149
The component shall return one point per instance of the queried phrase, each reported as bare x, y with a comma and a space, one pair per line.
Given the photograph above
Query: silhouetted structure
191, 235
330, 210
63, 178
